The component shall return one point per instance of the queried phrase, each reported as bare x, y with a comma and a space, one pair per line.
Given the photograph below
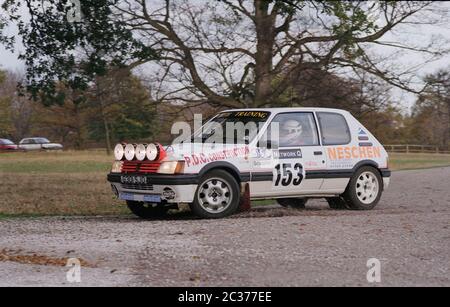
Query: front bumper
171, 188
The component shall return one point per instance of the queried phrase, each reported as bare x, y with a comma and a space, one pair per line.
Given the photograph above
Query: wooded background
126, 70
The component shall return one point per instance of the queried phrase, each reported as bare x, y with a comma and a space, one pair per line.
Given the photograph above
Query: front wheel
147, 210
365, 189
217, 195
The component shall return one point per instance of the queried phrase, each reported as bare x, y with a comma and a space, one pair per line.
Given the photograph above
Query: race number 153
286, 174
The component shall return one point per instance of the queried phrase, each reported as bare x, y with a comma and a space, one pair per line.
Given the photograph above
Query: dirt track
409, 232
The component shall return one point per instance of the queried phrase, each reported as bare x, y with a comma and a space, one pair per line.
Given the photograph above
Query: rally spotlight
119, 152
141, 152
152, 152
130, 152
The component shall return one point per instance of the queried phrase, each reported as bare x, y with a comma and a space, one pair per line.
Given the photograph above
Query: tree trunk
265, 31
106, 126
105, 121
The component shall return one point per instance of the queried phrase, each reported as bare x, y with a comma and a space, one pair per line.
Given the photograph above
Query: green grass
56, 183
74, 183
417, 161
54, 167
55, 162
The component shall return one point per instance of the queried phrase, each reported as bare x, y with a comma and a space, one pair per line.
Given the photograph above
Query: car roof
34, 138
295, 109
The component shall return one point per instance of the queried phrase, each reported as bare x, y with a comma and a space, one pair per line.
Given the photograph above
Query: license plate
133, 179
140, 197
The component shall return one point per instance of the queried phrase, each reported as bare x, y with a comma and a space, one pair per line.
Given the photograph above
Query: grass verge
417, 161
74, 183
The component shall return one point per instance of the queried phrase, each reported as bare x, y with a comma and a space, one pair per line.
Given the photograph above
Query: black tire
294, 203
199, 205
351, 194
337, 203
147, 211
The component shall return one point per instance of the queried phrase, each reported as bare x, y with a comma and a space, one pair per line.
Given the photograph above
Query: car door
337, 143
24, 144
30, 144
284, 156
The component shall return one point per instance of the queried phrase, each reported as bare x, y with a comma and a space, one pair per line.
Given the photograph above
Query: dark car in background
7, 145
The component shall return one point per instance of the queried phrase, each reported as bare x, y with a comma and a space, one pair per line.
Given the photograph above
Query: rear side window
6, 142
334, 129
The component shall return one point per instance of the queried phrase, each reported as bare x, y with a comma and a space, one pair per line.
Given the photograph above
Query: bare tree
19, 107
432, 110
237, 53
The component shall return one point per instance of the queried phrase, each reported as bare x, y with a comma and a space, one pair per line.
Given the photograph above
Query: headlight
117, 167
140, 152
171, 167
152, 152
119, 152
130, 152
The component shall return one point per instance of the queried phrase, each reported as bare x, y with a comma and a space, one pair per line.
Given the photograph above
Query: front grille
146, 167
147, 187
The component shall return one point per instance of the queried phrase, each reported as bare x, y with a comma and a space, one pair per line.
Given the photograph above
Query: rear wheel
147, 210
294, 203
217, 195
365, 189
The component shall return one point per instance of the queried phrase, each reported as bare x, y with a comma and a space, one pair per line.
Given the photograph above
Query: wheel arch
228, 167
365, 163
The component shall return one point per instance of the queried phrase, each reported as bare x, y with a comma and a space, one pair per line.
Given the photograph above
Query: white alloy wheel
215, 195
367, 188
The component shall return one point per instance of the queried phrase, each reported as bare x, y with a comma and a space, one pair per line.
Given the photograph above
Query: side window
334, 129
294, 130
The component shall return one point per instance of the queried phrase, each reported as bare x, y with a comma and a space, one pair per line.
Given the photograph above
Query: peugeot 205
287, 154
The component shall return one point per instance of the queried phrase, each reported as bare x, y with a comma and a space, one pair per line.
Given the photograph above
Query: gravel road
408, 232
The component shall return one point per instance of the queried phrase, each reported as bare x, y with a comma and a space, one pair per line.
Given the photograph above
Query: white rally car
287, 154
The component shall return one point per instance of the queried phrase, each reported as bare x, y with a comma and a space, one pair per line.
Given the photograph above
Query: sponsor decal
365, 144
288, 154
253, 114
363, 138
353, 152
362, 132
263, 153
152, 198
126, 196
312, 165
169, 194
199, 159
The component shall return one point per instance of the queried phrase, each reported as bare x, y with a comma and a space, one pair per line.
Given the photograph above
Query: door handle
318, 153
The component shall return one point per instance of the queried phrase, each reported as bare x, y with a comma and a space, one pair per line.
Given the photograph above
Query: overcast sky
9, 60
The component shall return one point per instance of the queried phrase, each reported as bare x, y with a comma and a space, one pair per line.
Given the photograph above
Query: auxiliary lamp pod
139, 152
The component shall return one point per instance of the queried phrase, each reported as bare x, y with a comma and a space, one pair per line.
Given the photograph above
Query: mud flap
245, 203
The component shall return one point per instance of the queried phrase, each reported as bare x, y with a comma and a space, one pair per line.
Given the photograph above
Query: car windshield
239, 127
6, 142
